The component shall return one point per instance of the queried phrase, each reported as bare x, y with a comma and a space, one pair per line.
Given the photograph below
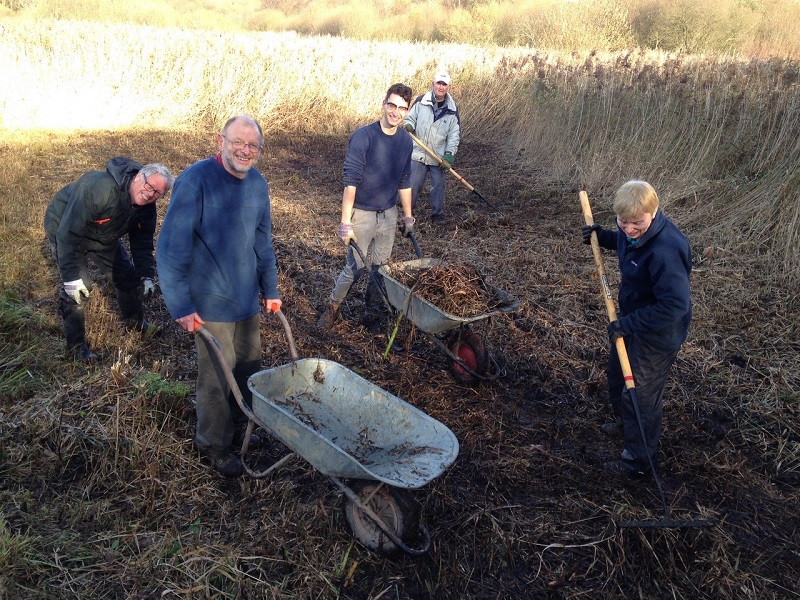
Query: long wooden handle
440, 161
605, 291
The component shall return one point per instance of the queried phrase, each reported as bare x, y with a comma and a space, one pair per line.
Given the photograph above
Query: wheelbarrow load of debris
349, 428
444, 301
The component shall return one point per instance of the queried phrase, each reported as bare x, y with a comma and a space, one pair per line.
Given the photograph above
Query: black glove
586, 232
407, 226
615, 331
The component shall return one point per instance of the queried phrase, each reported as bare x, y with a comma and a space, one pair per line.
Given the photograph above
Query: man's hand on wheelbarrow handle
271, 305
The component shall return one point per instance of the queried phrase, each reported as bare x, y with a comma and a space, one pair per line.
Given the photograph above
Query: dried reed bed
190, 78
713, 133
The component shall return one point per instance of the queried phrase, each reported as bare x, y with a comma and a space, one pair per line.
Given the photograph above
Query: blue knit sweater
378, 165
214, 253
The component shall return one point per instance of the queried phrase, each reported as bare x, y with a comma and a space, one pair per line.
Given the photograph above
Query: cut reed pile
458, 290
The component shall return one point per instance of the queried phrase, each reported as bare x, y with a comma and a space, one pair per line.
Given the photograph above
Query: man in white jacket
434, 119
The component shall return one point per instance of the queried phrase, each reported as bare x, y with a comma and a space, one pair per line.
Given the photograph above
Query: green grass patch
23, 352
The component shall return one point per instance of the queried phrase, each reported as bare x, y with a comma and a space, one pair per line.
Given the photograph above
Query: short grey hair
247, 119
159, 169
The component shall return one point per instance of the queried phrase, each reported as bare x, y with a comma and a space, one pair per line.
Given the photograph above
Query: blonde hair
635, 198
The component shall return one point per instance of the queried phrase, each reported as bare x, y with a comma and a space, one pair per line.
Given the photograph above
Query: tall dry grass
91, 76
714, 133
735, 26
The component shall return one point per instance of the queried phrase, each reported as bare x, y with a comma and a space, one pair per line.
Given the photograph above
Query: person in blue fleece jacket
217, 268
655, 309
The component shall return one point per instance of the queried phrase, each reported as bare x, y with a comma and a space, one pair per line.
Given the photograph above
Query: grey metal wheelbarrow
347, 427
470, 359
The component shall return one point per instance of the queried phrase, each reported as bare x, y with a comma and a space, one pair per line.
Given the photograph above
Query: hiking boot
613, 428
82, 353
373, 322
328, 317
437, 219
223, 462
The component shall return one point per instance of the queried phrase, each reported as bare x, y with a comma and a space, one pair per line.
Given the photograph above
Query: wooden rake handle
440, 161
605, 291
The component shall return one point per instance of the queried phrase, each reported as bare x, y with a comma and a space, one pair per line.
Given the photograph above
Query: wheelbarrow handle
289, 337
414, 243
216, 350
376, 278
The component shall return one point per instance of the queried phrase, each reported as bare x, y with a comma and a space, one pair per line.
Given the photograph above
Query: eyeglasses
240, 145
393, 107
150, 189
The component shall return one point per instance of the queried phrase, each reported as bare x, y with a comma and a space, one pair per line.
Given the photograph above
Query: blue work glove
148, 287
408, 127
447, 161
615, 331
407, 226
76, 290
586, 232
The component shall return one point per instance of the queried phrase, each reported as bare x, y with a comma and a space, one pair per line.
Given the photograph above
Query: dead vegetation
458, 290
103, 496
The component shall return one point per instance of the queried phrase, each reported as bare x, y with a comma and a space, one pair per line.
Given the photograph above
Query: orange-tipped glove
271, 305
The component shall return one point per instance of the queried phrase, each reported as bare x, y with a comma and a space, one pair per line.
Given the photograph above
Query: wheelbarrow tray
345, 426
425, 315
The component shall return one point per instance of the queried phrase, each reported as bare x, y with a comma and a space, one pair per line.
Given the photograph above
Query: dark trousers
114, 261
218, 413
650, 366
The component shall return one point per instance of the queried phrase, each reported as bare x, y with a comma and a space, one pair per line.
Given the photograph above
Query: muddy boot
130, 305
328, 317
75, 329
613, 428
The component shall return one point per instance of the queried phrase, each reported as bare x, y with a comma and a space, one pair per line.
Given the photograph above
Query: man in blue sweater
217, 267
377, 171
655, 309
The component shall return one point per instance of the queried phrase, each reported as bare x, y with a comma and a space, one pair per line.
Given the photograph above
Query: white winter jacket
440, 132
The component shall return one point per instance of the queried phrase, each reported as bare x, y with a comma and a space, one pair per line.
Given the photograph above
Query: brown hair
402, 90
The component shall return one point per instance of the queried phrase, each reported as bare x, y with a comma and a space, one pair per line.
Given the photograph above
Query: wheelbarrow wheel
397, 508
470, 348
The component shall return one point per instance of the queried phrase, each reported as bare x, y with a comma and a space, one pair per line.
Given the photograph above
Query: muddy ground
526, 510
